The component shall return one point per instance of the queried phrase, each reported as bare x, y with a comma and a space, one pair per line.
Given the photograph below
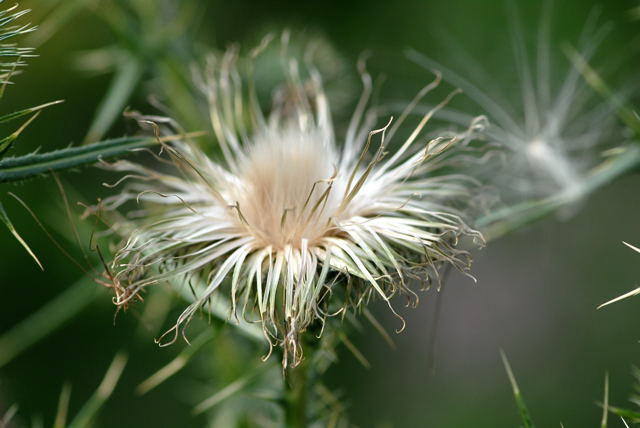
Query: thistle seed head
552, 128
295, 223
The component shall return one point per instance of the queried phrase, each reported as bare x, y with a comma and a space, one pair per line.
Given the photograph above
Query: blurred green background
537, 289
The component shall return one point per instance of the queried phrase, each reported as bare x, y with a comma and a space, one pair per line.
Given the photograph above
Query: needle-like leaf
176, 364
605, 402
522, 408
5, 219
90, 409
16, 114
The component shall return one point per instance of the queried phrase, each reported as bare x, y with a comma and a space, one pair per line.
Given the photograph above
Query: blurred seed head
553, 133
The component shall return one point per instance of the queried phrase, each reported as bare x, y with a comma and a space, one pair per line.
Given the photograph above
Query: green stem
31, 165
296, 384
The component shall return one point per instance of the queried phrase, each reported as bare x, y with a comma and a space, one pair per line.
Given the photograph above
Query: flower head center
288, 185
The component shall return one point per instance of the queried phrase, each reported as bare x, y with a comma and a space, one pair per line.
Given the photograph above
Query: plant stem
34, 164
296, 384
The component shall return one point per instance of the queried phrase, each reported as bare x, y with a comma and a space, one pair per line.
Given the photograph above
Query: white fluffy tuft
296, 225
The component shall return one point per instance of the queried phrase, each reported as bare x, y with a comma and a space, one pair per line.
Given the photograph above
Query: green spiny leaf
34, 164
